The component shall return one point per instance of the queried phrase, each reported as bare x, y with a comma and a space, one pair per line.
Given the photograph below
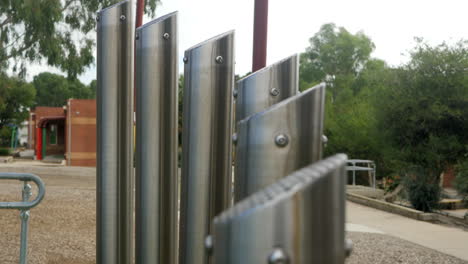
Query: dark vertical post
114, 211
260, 35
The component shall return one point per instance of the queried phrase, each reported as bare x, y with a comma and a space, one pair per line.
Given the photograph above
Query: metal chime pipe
299, 219
156, 145
274, 143
266, 87
114, 212
207, 130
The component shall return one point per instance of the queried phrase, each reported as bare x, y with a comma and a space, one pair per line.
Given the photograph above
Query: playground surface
62, 227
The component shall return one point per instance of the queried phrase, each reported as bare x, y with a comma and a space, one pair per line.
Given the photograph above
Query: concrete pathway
448, 240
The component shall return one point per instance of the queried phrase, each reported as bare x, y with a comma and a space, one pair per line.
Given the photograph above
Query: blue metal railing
24, 205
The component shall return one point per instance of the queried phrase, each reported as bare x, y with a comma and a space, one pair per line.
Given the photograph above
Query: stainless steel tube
300, 219
206, 143
273, 143
156, 145
266, 87
114, 211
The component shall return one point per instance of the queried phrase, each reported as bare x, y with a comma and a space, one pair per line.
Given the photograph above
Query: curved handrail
23, 177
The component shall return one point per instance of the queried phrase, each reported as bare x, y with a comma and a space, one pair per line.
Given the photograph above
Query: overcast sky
392, 25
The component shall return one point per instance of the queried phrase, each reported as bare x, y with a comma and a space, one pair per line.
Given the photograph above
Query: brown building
68, 131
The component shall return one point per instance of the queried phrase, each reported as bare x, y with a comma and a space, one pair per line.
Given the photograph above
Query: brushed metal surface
156, 141
300, 218
261, 156
114, 211
206, 142
267, 87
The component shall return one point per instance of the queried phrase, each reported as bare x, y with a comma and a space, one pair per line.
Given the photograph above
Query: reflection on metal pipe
299, 219
273, 143
114, 212
267, 87
156, 147
206, 143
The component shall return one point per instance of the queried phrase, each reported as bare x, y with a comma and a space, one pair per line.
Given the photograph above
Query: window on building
53, 135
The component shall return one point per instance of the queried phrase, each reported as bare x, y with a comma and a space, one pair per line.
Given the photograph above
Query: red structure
68, 131
260, 35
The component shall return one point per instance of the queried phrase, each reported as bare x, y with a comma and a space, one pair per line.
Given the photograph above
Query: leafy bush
461, 180
422, 188
4, 151
5, 136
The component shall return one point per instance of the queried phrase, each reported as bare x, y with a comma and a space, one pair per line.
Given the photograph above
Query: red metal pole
260, 35
139, 13
39, 143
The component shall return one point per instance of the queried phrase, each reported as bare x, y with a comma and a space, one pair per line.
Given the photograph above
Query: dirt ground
62, 229
62, 226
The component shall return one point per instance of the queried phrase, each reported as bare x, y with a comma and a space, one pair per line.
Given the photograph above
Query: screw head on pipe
97, 17
209, 244
185, 60
122, 17
235, 93
348, 247
281, 140
278, 256
234, 138
219, 59
166, 36
274, 91
137, 36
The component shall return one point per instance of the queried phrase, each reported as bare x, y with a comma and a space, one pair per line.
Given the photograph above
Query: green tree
16, 96
59, 32
54, 90
334, 56
425, 113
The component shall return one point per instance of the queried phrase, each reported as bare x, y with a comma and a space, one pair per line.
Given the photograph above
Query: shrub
422, 188
461, 180
4, 151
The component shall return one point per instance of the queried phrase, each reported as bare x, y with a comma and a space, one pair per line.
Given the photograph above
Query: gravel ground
378, 248
62, 230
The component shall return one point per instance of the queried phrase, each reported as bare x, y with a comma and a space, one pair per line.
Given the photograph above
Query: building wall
81, 132
36, 116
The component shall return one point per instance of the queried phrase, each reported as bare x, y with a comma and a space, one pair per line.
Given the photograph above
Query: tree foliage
411, 119
16, 96
425, 114
54, 90
334, 56
59, 32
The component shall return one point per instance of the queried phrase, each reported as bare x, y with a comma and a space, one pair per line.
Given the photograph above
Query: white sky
392, 25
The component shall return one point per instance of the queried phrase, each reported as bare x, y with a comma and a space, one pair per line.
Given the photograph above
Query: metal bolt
137, 36
281, 140
324, 139
209, 244
97, 18
274, 91
219, 59
235, 93
278, 256
348, 247
122, 17
24, 215
234, 138
185, 60
166, 36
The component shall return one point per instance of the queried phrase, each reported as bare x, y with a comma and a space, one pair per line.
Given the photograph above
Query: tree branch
6, 21
67, 4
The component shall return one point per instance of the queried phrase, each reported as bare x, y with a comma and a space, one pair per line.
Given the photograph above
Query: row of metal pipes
275, 130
